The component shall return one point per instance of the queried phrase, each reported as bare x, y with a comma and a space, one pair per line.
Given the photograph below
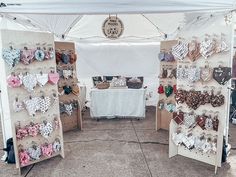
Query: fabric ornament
11, 56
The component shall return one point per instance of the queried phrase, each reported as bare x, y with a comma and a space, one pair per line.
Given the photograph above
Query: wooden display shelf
73, 121
31, 40
163, 117
163, 120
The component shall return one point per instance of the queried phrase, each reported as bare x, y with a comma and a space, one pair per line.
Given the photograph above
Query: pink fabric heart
53, 78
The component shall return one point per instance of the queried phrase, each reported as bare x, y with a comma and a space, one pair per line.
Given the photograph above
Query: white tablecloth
112, 103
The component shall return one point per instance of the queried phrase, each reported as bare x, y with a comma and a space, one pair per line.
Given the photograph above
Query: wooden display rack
20, 39
163, 117
73, 121
215, 60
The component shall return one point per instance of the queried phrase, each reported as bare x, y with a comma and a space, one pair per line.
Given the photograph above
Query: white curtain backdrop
125, 59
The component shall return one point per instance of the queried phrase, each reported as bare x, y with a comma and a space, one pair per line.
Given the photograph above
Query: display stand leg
80, 121
216, 169
173, 151
158, 118
19, 171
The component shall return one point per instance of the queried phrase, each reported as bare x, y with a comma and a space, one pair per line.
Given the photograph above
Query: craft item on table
193, 74
17, 105
168, 90
34, 152
29, 81
47, 150
11, 56
14, 81
178, 117
134, 83
32, 105
160, 89
46, 129
206, 73
194, 50
189, 119
180, 50
222, 74
27, 56
209, 123
39, 54
170, 107
118, 82
42, 79
103, 85
53, 77
56, 145
23, 157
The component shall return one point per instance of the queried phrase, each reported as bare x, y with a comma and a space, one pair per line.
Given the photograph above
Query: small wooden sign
112, 27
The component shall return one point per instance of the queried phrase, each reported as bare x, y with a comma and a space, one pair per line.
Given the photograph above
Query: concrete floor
112, 148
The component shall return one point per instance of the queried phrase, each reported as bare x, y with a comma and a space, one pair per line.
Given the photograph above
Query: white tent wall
120, 59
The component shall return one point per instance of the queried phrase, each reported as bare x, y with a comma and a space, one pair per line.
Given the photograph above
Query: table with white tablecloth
112, 103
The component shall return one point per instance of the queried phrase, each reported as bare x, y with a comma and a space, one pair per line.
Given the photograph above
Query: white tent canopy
82, 20
77, 27
113, 6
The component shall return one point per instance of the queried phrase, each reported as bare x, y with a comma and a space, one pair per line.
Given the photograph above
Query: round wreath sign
112, 27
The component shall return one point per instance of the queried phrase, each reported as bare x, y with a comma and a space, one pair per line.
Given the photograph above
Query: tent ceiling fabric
136, 26
57, 24
114, 6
